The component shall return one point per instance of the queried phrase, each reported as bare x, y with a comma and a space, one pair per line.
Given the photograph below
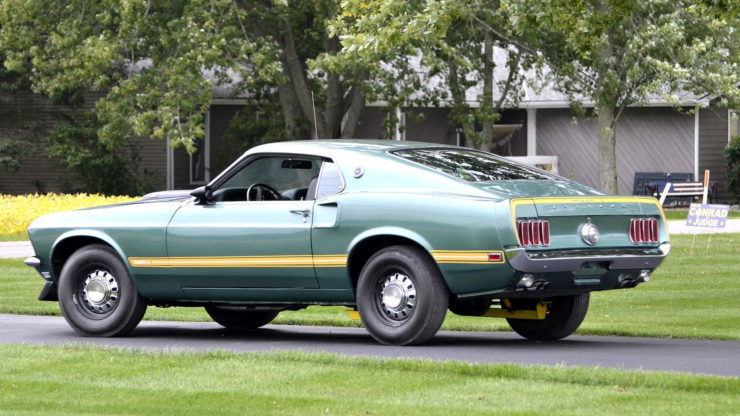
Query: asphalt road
691, 356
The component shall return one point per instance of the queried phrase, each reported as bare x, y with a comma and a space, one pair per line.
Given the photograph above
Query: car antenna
315, 126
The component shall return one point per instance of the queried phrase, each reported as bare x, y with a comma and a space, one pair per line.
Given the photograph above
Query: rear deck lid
612, 217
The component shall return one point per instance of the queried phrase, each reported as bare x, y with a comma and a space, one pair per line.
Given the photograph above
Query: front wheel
97, 295
564, 316
401, 296
240, 319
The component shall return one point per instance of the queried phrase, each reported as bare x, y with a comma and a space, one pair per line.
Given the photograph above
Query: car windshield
472, 166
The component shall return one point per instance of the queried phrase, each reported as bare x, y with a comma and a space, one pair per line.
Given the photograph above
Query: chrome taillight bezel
533, 233
644, 231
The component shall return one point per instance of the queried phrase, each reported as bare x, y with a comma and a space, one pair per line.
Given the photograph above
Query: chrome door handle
302, 212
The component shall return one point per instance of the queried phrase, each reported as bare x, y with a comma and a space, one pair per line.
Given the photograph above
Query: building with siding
30, 117
656, 137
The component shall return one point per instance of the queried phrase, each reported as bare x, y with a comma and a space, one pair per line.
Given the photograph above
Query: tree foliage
605, 53
732, 154
617, 53
149, 57
159, 63
96, 166
317, 62
451, 44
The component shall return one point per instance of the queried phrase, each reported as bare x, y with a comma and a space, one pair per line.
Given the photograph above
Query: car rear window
472, 166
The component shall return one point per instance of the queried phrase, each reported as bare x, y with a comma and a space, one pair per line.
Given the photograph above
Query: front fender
88, 233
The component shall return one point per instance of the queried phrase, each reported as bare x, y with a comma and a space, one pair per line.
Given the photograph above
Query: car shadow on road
318, 336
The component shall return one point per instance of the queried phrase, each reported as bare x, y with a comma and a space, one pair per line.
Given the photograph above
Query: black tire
240, 319
97, 295
565, 315
416, 313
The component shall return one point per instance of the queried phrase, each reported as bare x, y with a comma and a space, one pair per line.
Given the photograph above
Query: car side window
290, 176
330, 181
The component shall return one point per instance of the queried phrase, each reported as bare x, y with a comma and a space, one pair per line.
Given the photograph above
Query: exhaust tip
526, 281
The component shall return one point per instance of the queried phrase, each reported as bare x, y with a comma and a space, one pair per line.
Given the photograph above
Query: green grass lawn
694, 294
14, 237
94, 380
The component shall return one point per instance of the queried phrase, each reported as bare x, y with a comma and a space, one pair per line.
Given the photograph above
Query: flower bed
17, 212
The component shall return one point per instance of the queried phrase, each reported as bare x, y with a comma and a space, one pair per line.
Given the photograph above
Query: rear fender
392, 231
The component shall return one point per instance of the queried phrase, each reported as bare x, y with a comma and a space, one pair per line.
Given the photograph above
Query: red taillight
545, 227
495, 257
643, 230
534, 232
654, 230
524, 232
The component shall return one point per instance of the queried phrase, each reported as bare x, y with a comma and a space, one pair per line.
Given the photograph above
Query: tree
158, 62
617, 53
612, 53
100, 168
14, 142
453, 42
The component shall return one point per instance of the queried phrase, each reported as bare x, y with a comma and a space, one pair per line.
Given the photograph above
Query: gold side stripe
440, 256
466, 256
243, 261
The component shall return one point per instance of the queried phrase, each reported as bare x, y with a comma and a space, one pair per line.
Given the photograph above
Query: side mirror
203, 195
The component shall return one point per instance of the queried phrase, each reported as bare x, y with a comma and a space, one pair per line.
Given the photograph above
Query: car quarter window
472, 166
288, 175
330, 181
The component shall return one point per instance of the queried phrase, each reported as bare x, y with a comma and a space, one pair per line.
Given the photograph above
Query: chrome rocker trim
572, 260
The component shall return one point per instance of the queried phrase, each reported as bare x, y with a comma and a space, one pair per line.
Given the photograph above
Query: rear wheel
96, 294
240, 319
564, 316
401, 296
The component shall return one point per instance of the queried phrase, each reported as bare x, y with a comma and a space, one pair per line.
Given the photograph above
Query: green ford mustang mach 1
400, 232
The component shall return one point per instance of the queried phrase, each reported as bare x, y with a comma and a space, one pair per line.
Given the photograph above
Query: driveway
683, 355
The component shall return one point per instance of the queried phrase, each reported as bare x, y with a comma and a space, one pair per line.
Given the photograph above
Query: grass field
694, 294
23, 236
93, 380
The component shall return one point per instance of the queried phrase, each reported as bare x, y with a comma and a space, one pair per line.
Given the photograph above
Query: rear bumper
573, 260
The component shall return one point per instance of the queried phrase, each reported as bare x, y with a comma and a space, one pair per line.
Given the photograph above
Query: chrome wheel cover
397, 297
99, 292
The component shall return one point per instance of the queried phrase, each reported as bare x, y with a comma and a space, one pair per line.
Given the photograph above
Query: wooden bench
689, 189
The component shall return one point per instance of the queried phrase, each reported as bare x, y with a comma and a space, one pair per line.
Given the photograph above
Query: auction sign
708, 215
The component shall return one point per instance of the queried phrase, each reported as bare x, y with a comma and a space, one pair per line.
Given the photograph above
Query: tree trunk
333, 110
606, 108
607, 125
291, 112
294, 70
459, 104
354, 110
486, 135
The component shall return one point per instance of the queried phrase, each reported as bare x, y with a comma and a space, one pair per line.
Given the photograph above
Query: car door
239, 242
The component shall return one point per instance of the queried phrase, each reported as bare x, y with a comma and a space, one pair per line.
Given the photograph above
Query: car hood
536, 188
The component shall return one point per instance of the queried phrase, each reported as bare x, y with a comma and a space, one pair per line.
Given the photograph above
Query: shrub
105, 167
732, 153
17, 212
